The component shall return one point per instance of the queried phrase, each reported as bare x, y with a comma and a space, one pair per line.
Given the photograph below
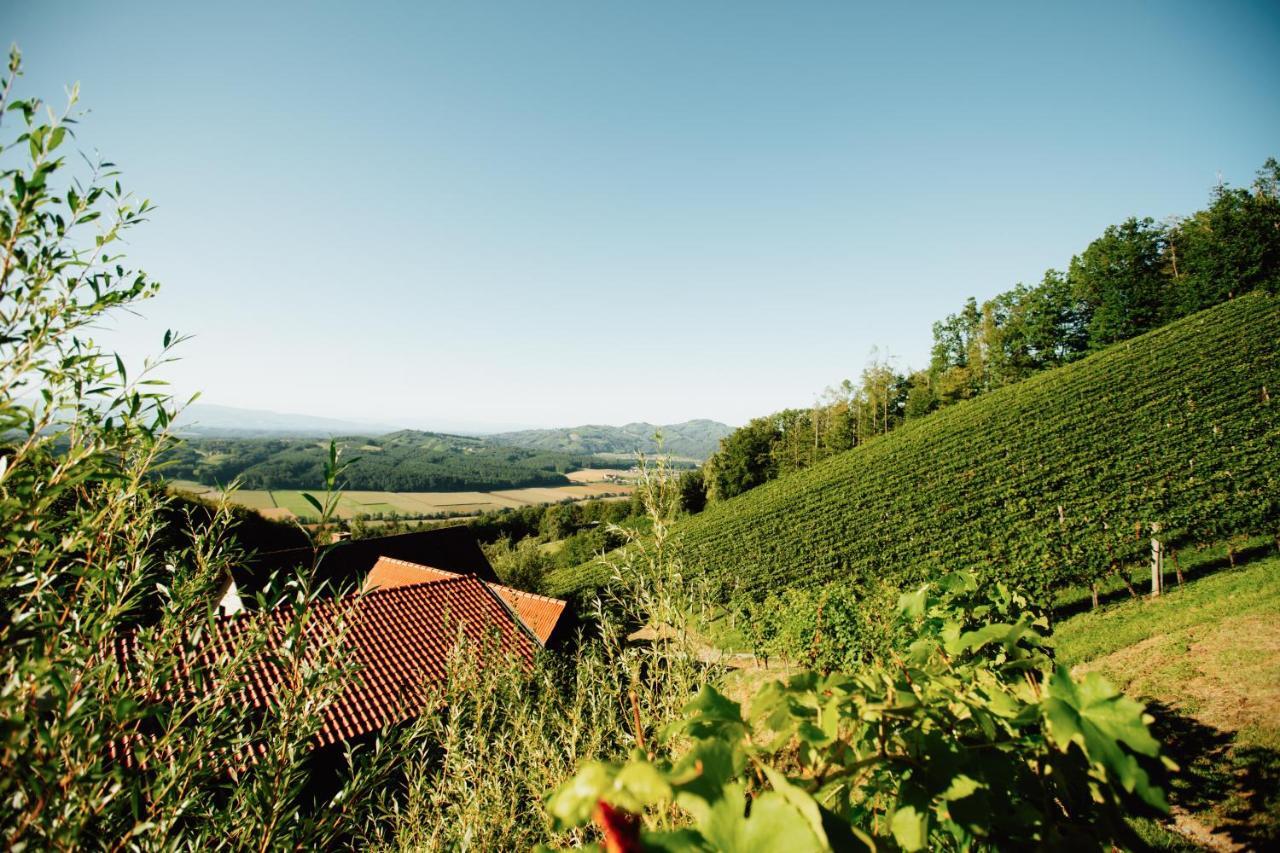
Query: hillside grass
1049, 482
1206, 659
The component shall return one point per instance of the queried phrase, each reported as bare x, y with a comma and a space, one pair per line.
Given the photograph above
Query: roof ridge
419, 565
378, 590
517, 589
508, 609
520, 591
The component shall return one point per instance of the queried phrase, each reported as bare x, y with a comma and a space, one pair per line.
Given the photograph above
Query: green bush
970, 739
99, 749
521, 565
831, 627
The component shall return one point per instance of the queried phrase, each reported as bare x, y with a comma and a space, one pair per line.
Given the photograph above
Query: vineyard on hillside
1053, 481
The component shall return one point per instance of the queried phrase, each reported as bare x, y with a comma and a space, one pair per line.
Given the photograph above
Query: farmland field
630, 458
289, 503
599, 475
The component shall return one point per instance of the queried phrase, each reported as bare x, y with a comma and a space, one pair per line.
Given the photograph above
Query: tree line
400, 462
1137, 276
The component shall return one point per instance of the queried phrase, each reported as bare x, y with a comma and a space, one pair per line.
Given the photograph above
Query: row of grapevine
1051, 481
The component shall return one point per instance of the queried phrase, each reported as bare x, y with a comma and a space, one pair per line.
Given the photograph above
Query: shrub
92, 553
832, 627
971, 738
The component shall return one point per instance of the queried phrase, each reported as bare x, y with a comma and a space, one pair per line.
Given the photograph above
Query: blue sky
469, 214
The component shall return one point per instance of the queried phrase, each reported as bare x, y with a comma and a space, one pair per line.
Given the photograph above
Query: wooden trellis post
1157, 563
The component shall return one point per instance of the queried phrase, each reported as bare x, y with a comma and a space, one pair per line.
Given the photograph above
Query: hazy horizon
199, 415
560, 214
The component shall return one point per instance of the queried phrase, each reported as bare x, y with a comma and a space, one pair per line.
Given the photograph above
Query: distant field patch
631, 459
596, 475
538, 495
595, 490
253, 498
451, 501
289, 503
198, 489
290, 500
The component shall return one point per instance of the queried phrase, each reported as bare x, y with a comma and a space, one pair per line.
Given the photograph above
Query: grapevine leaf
798, 799
573, 803
775, 823
961, 786
910, 827
1097, 718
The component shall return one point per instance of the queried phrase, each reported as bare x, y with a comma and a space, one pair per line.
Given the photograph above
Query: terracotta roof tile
539, 612
400, 638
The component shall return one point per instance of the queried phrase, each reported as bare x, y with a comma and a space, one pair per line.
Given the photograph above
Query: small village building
399, 623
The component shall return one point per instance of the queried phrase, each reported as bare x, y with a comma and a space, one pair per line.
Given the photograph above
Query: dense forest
1135, 277
405, 461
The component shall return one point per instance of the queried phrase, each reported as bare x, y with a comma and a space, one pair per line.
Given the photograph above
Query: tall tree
1231, 247
1120, 281
745, 459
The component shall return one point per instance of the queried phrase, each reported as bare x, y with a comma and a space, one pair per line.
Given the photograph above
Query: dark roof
401, 639
345, 566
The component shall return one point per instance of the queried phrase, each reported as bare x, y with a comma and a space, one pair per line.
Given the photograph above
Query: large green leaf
910, 827
1098, 718
775, 823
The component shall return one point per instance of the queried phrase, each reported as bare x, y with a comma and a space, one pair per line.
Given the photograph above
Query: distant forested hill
404, 461
695, 439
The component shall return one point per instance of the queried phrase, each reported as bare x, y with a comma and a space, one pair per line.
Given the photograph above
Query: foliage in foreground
971, 738
476, 775
96, 751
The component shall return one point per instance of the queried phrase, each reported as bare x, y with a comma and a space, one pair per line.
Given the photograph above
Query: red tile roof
400, 638
539, 612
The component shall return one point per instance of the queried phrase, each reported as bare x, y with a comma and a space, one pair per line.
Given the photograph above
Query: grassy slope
1169, 426
1206, 658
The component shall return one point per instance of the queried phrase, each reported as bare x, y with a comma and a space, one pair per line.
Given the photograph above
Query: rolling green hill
695, 439
1048, 482
404, 461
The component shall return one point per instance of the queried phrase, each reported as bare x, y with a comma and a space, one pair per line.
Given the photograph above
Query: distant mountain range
696, 439
211, 421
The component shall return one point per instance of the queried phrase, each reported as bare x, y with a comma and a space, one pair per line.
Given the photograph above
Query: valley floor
288, 504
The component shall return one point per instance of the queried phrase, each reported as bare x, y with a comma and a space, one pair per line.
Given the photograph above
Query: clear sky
549, 213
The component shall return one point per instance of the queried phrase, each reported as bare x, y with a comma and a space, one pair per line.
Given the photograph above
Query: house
541, 614
401, 639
